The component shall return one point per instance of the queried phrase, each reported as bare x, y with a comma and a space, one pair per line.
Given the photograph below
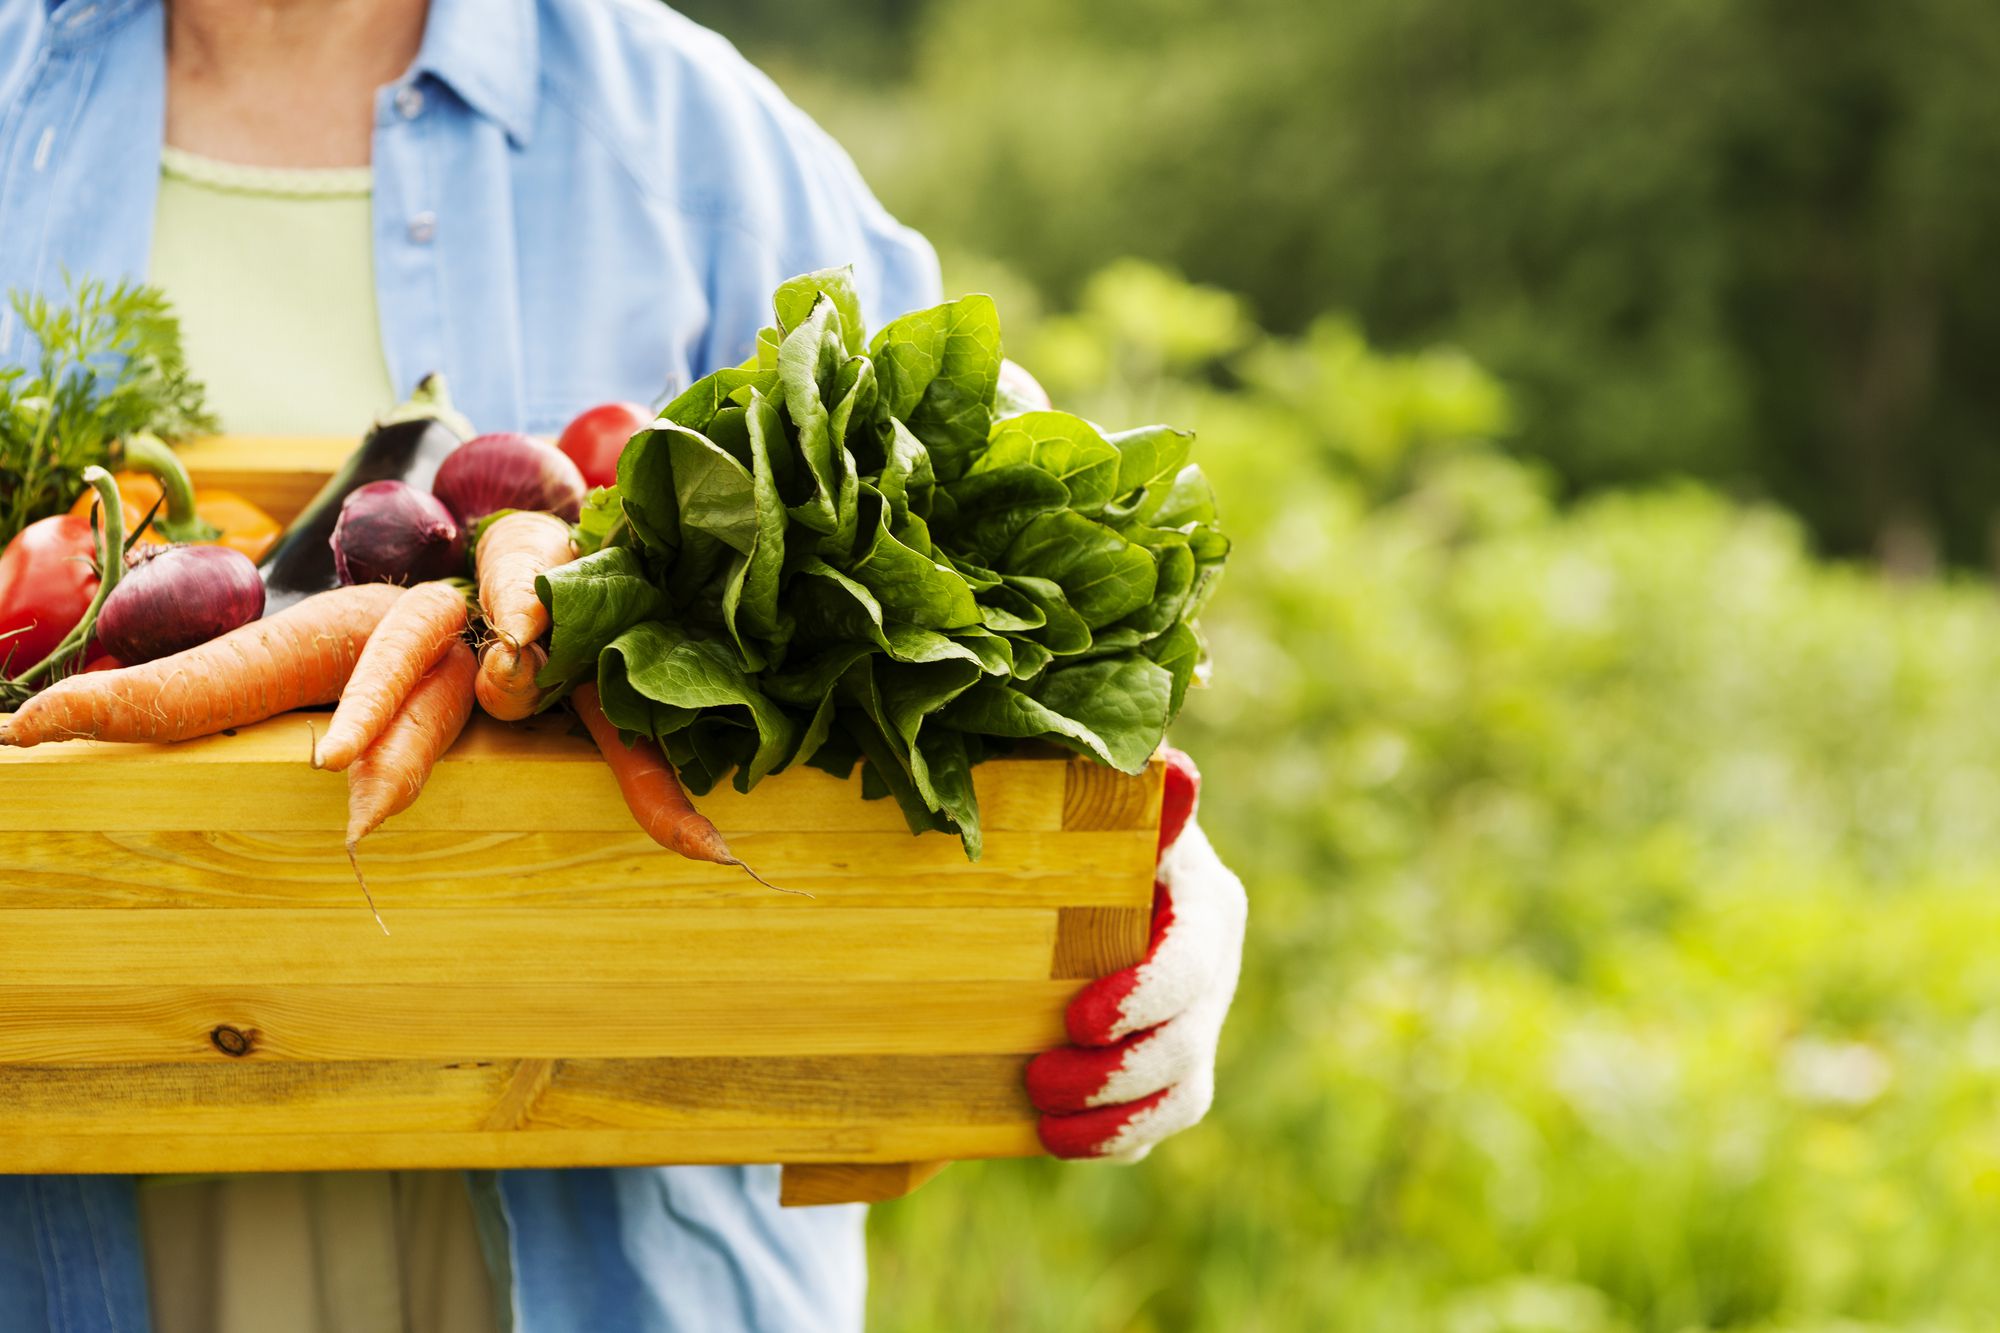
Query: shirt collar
78, 20
487, 52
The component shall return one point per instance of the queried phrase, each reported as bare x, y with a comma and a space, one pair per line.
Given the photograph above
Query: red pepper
48, 576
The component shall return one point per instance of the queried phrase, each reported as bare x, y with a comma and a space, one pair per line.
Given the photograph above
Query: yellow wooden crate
189, 980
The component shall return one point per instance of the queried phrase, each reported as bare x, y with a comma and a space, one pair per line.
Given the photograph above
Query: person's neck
284, 83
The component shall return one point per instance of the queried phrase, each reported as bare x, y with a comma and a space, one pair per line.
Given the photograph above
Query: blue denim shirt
575, 201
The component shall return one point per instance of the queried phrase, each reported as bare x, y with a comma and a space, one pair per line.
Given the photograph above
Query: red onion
496, 472
391, 532
175, 597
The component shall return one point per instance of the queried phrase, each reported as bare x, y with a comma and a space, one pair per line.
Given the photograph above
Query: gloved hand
1143, 1064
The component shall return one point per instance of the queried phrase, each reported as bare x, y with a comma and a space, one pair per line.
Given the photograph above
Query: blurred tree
1748, 241
1621, 949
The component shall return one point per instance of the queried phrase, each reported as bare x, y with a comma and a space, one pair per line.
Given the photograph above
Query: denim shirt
575, 201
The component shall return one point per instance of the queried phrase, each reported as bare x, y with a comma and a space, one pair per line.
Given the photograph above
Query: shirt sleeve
825, 216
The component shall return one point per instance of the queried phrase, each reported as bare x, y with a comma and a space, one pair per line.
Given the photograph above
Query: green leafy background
852, 551
1624, 942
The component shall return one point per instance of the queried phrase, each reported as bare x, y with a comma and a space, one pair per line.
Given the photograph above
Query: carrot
652, 792
513, 550
506, 684
299, 657
387, 776
413, 637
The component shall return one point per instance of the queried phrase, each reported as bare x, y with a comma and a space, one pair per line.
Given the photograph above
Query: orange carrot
413, 637
386, 778
299, 657
652, 792
506, 684
513, 550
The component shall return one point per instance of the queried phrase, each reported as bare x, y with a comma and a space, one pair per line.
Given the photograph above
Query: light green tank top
272, 274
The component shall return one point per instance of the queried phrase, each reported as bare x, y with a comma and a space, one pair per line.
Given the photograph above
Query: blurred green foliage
1747, 240
1623, 936
1622, 939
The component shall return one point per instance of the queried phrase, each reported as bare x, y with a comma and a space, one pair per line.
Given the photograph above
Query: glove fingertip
1094, 1015
1093, 1133
1178, 794
1062, 1081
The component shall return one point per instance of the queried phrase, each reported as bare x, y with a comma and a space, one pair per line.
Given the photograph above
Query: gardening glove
1143, 1063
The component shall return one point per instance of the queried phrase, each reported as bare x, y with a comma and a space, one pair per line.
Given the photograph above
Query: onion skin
391, 532
177, 597
495, 472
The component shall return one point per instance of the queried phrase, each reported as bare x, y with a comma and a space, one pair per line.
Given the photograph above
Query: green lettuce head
846, 551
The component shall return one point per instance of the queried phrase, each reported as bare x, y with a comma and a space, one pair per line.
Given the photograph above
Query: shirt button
423, 227
409, 101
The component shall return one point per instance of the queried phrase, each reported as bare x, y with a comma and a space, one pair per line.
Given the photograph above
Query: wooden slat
330, 946
807, 1186
137, 1024
549, 780
278, 474
1092, 941
409, 1096
543, 871
168, 1154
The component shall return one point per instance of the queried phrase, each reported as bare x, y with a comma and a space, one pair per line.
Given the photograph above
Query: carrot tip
744, 866
362, 880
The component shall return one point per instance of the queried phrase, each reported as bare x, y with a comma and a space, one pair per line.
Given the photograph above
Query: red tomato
102, 662
595, 439
48, 576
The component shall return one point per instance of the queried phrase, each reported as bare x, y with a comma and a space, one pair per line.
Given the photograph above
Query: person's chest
532, 276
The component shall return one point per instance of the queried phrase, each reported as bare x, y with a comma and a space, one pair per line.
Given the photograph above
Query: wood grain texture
278, 474
407, 1096
1091, 941
169, 1154
558, 781
147, 1024
807, 1186
536, 872
442, 946
1096, 797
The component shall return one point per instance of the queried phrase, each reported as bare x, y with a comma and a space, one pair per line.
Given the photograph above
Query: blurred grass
1623, 914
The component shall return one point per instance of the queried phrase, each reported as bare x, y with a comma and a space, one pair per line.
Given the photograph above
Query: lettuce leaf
850, 551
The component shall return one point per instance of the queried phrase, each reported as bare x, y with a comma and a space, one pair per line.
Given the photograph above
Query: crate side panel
208, 1024
156, 1154
409, 868
412, 1096
556, 781
332, 946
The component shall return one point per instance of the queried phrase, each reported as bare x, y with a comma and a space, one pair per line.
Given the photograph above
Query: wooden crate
190, 981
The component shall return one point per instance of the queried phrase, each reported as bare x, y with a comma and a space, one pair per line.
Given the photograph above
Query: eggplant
406, 445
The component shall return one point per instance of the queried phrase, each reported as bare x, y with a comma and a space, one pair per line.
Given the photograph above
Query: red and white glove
1143, 1066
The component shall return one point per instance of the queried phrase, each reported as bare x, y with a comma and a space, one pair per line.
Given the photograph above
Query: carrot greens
104, 365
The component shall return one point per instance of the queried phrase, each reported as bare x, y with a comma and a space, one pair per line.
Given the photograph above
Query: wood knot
232, 1041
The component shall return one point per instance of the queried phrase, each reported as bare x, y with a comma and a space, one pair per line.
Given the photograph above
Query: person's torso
573, 202
271, 274
562, 215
